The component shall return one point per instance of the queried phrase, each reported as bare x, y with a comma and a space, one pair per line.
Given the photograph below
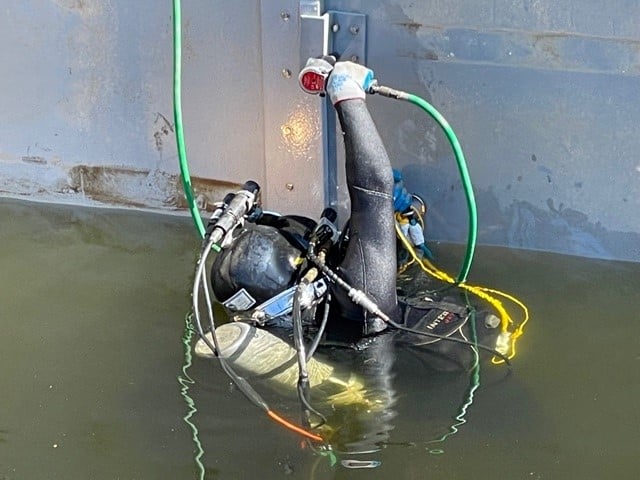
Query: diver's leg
370, 259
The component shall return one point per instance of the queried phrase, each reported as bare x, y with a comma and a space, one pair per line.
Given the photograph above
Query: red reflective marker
312, 81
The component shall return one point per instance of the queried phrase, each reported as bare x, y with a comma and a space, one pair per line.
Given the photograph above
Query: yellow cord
404, 266
483, 292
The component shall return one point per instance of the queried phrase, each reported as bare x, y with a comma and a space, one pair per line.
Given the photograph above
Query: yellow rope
483, 292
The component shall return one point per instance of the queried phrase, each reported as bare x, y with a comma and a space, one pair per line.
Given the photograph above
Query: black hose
298, 339
242, 384
370, 306
303, 395
303, 358
323, 324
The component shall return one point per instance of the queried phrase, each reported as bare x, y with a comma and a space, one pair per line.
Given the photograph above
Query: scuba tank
257, 352
262, 261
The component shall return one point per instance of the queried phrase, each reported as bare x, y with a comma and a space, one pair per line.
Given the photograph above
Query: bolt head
289, 186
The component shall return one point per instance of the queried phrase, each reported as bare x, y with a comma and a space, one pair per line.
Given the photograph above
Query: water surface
92, 310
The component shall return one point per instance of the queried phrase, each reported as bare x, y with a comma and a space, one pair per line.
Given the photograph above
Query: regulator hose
472, 233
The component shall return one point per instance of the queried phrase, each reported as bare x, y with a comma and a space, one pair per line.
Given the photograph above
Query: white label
239, 301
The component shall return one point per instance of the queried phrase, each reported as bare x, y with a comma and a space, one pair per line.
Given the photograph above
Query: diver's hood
259, 264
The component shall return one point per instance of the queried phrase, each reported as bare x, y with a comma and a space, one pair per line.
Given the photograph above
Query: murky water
92, 309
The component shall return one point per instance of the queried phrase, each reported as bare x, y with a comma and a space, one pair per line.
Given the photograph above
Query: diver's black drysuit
370, 261
369, 265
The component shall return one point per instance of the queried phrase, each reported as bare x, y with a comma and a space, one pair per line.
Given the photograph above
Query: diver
260, 267
292, 285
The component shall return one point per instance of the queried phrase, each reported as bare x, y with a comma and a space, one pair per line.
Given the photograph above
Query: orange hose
293, 427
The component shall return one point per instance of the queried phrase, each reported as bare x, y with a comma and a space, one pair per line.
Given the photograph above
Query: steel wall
543, 95
86, 106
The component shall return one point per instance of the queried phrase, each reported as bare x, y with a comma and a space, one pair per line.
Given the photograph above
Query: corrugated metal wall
543, 95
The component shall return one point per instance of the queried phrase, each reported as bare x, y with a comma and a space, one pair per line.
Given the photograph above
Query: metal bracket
314, 37
342, 34
347, 36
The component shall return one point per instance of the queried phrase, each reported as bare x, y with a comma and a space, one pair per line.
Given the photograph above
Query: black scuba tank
262, 261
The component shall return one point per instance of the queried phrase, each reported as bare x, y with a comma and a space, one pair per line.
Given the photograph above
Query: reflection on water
362, 429
93, 305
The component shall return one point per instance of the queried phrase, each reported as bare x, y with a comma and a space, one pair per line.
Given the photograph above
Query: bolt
289, 186
354, 29
355, 58
285, 16
335, 28
286, 73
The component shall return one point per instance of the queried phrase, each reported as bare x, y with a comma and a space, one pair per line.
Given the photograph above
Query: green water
92, 306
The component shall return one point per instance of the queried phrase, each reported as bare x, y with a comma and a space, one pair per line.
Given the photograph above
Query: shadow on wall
521, 224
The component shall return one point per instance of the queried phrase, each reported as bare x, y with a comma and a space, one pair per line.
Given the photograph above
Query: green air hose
464, 176
177, 114
462, 167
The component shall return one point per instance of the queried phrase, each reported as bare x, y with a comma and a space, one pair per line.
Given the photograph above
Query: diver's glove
425, 251
402, 199
349, 81
416, 235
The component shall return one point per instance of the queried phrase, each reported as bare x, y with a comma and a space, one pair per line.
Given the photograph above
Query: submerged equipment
258, 352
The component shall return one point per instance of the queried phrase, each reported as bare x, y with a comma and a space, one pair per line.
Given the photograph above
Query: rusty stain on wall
411, 26
33, 159
131, 187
